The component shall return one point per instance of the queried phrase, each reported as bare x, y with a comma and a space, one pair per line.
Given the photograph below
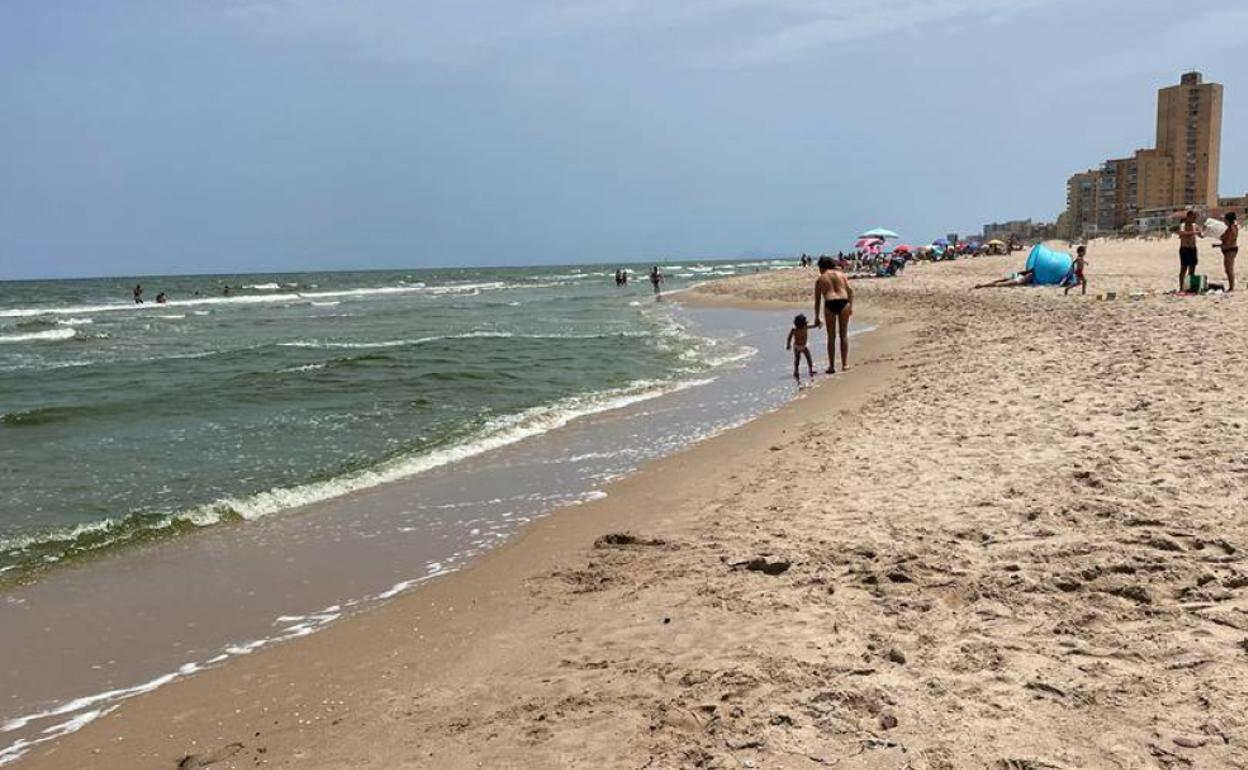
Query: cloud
698, 32
821, 24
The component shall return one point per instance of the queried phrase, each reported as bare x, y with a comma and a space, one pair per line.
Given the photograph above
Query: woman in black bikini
834, 299
1230, 248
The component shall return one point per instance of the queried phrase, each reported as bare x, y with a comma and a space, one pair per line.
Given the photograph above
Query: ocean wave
461, 288
274, 298
263, 286
64, 333
26, 418
35, 550
327, 344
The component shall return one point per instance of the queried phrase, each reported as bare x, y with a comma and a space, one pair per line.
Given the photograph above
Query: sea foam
64, 333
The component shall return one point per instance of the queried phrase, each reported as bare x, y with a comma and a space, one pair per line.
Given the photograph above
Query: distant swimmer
161, 298
797, 343
835, 300
656, 278
227, 290
619, 277
138, 294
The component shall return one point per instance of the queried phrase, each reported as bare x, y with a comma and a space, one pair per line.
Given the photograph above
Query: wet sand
1012, 535
128, 620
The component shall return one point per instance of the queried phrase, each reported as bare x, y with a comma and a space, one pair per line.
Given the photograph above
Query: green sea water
122, 423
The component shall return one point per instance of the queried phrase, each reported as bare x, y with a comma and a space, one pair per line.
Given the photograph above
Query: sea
261, 455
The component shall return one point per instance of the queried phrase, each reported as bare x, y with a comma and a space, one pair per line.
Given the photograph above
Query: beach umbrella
941, 242
866, 243
902, 247
880, 232
995, 242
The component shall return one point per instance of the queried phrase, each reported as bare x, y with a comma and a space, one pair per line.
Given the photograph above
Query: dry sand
1012, 536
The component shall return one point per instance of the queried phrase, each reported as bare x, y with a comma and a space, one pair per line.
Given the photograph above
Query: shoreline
626, 487
1009, 536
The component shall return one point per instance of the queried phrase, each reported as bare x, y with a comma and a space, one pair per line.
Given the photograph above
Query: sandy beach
1010, 536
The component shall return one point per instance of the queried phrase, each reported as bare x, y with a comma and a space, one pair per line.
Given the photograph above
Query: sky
142, 137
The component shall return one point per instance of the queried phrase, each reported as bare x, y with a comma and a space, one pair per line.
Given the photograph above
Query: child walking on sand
1076, 272
797, 343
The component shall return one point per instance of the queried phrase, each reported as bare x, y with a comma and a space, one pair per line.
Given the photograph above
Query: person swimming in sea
138, 294
835, 300
797, 343
656, 278
161, 298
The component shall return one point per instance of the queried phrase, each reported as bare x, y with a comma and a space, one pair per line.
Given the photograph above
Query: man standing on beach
1188, 256
835, 300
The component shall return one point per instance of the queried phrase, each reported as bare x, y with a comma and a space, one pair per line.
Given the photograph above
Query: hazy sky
170, 136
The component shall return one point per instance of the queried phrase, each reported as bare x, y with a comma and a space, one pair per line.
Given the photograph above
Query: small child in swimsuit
1076, 277
797, 343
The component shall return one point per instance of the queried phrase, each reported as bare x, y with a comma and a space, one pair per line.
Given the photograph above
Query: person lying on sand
1013, 279
835, 299
797, 343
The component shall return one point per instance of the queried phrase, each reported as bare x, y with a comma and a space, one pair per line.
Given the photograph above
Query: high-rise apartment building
1189, 132
1181, 171
1081, 199
1116, 193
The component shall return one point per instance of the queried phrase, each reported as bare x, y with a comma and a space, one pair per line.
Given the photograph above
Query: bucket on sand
1198, 284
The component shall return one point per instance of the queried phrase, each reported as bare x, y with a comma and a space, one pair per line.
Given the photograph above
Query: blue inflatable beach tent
1050, 266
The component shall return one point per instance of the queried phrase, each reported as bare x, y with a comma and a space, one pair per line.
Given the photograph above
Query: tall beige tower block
1189, 132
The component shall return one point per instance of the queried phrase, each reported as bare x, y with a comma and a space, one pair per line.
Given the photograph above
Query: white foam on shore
85, 710
268, 298
497, 433
65, 333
